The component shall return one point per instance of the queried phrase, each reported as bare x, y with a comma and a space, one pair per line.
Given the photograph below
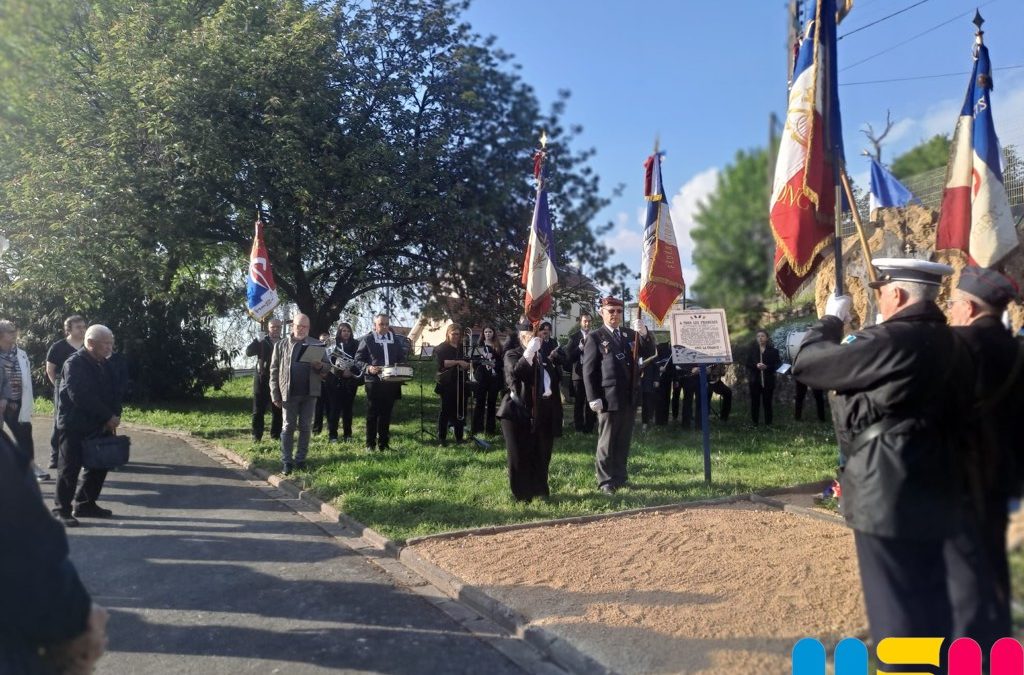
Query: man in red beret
977, 568
612, 385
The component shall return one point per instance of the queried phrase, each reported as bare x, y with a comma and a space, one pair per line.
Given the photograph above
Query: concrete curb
556, 648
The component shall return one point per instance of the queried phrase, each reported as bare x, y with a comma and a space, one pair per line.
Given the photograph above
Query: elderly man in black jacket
898, 417
89, 407
613, 390
979, 573
48, 623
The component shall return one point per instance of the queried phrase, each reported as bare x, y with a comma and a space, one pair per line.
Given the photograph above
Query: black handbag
105, 452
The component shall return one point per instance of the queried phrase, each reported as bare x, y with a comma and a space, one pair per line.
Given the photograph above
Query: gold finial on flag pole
543, 138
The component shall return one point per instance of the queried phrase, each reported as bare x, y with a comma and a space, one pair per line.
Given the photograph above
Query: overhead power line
922, 77
912, 38
878, 21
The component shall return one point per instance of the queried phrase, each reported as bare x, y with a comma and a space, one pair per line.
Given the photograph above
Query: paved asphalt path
207, 570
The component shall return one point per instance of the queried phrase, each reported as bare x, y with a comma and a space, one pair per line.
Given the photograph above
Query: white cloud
940, 118
624, 240
684, 206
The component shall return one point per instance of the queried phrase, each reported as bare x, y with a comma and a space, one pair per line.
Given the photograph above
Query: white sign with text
699, 336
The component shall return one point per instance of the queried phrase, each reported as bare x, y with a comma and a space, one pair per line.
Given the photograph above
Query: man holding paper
296, 371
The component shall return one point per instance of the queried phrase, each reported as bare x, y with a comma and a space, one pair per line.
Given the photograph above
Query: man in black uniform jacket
529, 429
979, 574
613, 390
378, 349
901, 491
88, 408
263, 349
583, 418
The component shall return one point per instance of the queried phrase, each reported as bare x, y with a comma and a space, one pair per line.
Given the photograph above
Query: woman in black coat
762, 362
490, 378
528, 440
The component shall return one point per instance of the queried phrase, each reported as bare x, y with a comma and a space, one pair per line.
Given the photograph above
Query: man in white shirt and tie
378, 350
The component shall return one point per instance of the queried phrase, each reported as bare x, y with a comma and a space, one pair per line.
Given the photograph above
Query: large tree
733, 243
386, 146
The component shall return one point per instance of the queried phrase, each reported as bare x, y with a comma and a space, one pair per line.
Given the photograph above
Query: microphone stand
424, 431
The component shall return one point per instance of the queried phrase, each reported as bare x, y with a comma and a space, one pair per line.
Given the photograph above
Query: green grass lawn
418, 488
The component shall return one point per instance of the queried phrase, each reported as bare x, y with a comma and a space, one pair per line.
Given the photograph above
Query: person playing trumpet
452, 369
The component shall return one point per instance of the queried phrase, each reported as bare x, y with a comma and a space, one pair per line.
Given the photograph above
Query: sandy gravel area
721, 589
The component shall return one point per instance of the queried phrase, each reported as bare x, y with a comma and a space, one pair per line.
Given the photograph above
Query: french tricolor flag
661, 275
802, 207
975, 214
260, 289
539, 274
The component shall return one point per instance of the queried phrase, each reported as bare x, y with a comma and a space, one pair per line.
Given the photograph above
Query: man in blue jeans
295, 387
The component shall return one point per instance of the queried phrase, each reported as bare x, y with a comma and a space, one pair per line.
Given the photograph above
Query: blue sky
705, 75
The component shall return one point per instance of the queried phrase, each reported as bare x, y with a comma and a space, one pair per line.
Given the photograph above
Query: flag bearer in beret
530, 414
612, 385
979, 574
899, 414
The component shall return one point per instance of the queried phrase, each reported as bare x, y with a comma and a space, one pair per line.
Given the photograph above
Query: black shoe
300, 465
53, 465
66, 519
607, 489
91, 510
332, 439
371, 448
385, 448
286, 469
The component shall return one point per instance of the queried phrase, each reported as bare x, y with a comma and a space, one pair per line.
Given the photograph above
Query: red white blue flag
661, 275
802, 207
260, 289
539, 274
975, 214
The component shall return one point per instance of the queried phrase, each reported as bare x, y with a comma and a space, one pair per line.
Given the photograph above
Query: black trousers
69, 465
54, 435
904, 584
325, 405
529, 452
690, 398
648, 404
453, 413
21, 431
801, 394
979, 575
485, 407
583, 418
260, 402
761, 396
343, 398
614, 434
677, 389
380, 402
662, 401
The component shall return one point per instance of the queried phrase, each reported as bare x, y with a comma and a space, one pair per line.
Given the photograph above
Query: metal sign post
701, 337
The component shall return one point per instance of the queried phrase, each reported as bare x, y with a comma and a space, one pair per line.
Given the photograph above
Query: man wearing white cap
899, 412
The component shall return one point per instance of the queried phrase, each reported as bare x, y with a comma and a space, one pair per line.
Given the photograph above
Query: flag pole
639, 310
538, 375
865, 249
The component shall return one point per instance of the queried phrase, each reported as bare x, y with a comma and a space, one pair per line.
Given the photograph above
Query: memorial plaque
700, 336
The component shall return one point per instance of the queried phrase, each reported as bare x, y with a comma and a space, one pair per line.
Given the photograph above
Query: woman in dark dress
762, 362
490, 378
342, 384
528, 440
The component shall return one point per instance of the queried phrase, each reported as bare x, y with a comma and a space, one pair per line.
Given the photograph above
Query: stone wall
904, 231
